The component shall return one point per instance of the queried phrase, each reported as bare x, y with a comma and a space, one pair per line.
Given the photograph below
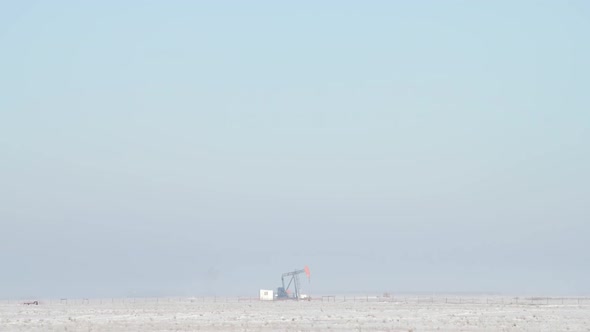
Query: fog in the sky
155, 148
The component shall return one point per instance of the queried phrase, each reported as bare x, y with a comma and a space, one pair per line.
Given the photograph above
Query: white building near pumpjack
266, 295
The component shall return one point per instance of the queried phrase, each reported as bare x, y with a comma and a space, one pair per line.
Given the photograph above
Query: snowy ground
356, 314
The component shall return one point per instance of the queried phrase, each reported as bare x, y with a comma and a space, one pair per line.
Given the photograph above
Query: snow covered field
426, 314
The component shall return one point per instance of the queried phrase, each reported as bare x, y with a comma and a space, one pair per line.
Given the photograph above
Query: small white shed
266, 295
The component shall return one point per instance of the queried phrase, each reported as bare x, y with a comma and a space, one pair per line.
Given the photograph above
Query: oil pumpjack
283, 292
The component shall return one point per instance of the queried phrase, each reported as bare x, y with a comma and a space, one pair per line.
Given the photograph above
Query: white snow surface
223, 314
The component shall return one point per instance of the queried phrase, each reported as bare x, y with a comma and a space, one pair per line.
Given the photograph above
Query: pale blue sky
184, 147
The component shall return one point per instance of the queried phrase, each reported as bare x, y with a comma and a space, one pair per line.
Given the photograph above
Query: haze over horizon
204, 148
